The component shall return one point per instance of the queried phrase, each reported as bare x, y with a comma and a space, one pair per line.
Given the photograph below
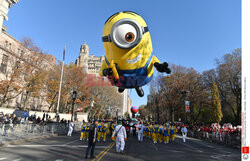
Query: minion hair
132, 13
115, 14
111, 17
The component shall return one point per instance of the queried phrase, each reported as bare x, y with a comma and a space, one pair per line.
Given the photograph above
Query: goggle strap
106, 38
145, 29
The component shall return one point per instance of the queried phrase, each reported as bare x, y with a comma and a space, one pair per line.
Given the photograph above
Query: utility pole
60, 88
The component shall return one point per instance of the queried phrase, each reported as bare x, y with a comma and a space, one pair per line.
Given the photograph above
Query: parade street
64, 148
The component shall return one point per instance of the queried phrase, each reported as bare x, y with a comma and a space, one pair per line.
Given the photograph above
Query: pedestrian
134, 129
6, 126
47, 116
43, 118
184, 133
140, 132
71, 126
131, 129
26, 115
92, 139
121, 137
127, 128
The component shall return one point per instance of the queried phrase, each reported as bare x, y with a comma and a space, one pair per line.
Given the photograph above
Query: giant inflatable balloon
134, 109
129, 61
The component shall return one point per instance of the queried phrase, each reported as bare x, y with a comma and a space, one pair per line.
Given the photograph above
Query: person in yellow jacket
87, 131
150, 130
160, 133
146, 130
155, 133
113, 126
83, 131
172, 132
99, 130
104, 131
166, 132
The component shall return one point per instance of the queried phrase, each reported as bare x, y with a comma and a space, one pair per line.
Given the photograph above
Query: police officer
92, 140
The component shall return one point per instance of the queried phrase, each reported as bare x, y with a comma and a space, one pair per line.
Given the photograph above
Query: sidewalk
25, 132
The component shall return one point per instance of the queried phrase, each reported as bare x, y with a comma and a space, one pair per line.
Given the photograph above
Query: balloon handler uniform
146, 130
160, 134
150, 129
155, 133
104, 131
83, 132
113, 126
166, 134
129, 61
99, 134
172, 132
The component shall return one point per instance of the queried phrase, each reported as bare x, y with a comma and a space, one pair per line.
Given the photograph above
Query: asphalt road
64, 148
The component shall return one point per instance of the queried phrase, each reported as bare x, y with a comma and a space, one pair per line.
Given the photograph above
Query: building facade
4, 9
15, 56
91, 64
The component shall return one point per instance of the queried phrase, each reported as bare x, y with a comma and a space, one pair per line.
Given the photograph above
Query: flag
187, 106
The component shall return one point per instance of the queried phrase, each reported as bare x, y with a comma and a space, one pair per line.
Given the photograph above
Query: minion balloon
129, 61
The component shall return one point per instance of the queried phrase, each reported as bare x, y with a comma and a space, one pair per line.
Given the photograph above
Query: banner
187, 106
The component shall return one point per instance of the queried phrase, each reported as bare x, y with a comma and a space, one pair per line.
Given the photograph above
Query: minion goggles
140, 30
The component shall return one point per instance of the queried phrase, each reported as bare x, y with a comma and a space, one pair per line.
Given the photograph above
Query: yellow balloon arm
113, 67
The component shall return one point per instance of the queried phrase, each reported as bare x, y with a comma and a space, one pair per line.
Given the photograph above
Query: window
5, 59
6, 44
21, 53
3, 66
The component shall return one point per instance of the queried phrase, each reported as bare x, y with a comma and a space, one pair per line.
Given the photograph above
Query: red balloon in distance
134, 109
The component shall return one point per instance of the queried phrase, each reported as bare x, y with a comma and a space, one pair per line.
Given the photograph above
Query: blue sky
191, 33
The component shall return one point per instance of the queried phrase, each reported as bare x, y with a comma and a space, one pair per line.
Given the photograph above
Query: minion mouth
135, 60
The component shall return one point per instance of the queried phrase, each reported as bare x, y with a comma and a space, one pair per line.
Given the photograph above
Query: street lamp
74, 98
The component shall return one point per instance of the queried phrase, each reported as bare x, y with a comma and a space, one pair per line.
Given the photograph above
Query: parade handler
121, 137
184, 133
71, 127
140, 132
83, 131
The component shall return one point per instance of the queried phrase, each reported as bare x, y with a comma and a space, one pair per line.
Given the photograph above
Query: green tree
216, 113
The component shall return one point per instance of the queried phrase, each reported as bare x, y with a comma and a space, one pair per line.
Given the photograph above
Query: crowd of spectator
9, 121
225, 134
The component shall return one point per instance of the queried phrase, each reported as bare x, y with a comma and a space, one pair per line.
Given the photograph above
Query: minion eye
129, 36
125, 34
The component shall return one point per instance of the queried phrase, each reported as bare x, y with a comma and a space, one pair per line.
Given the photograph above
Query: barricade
12, 132
233, 140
